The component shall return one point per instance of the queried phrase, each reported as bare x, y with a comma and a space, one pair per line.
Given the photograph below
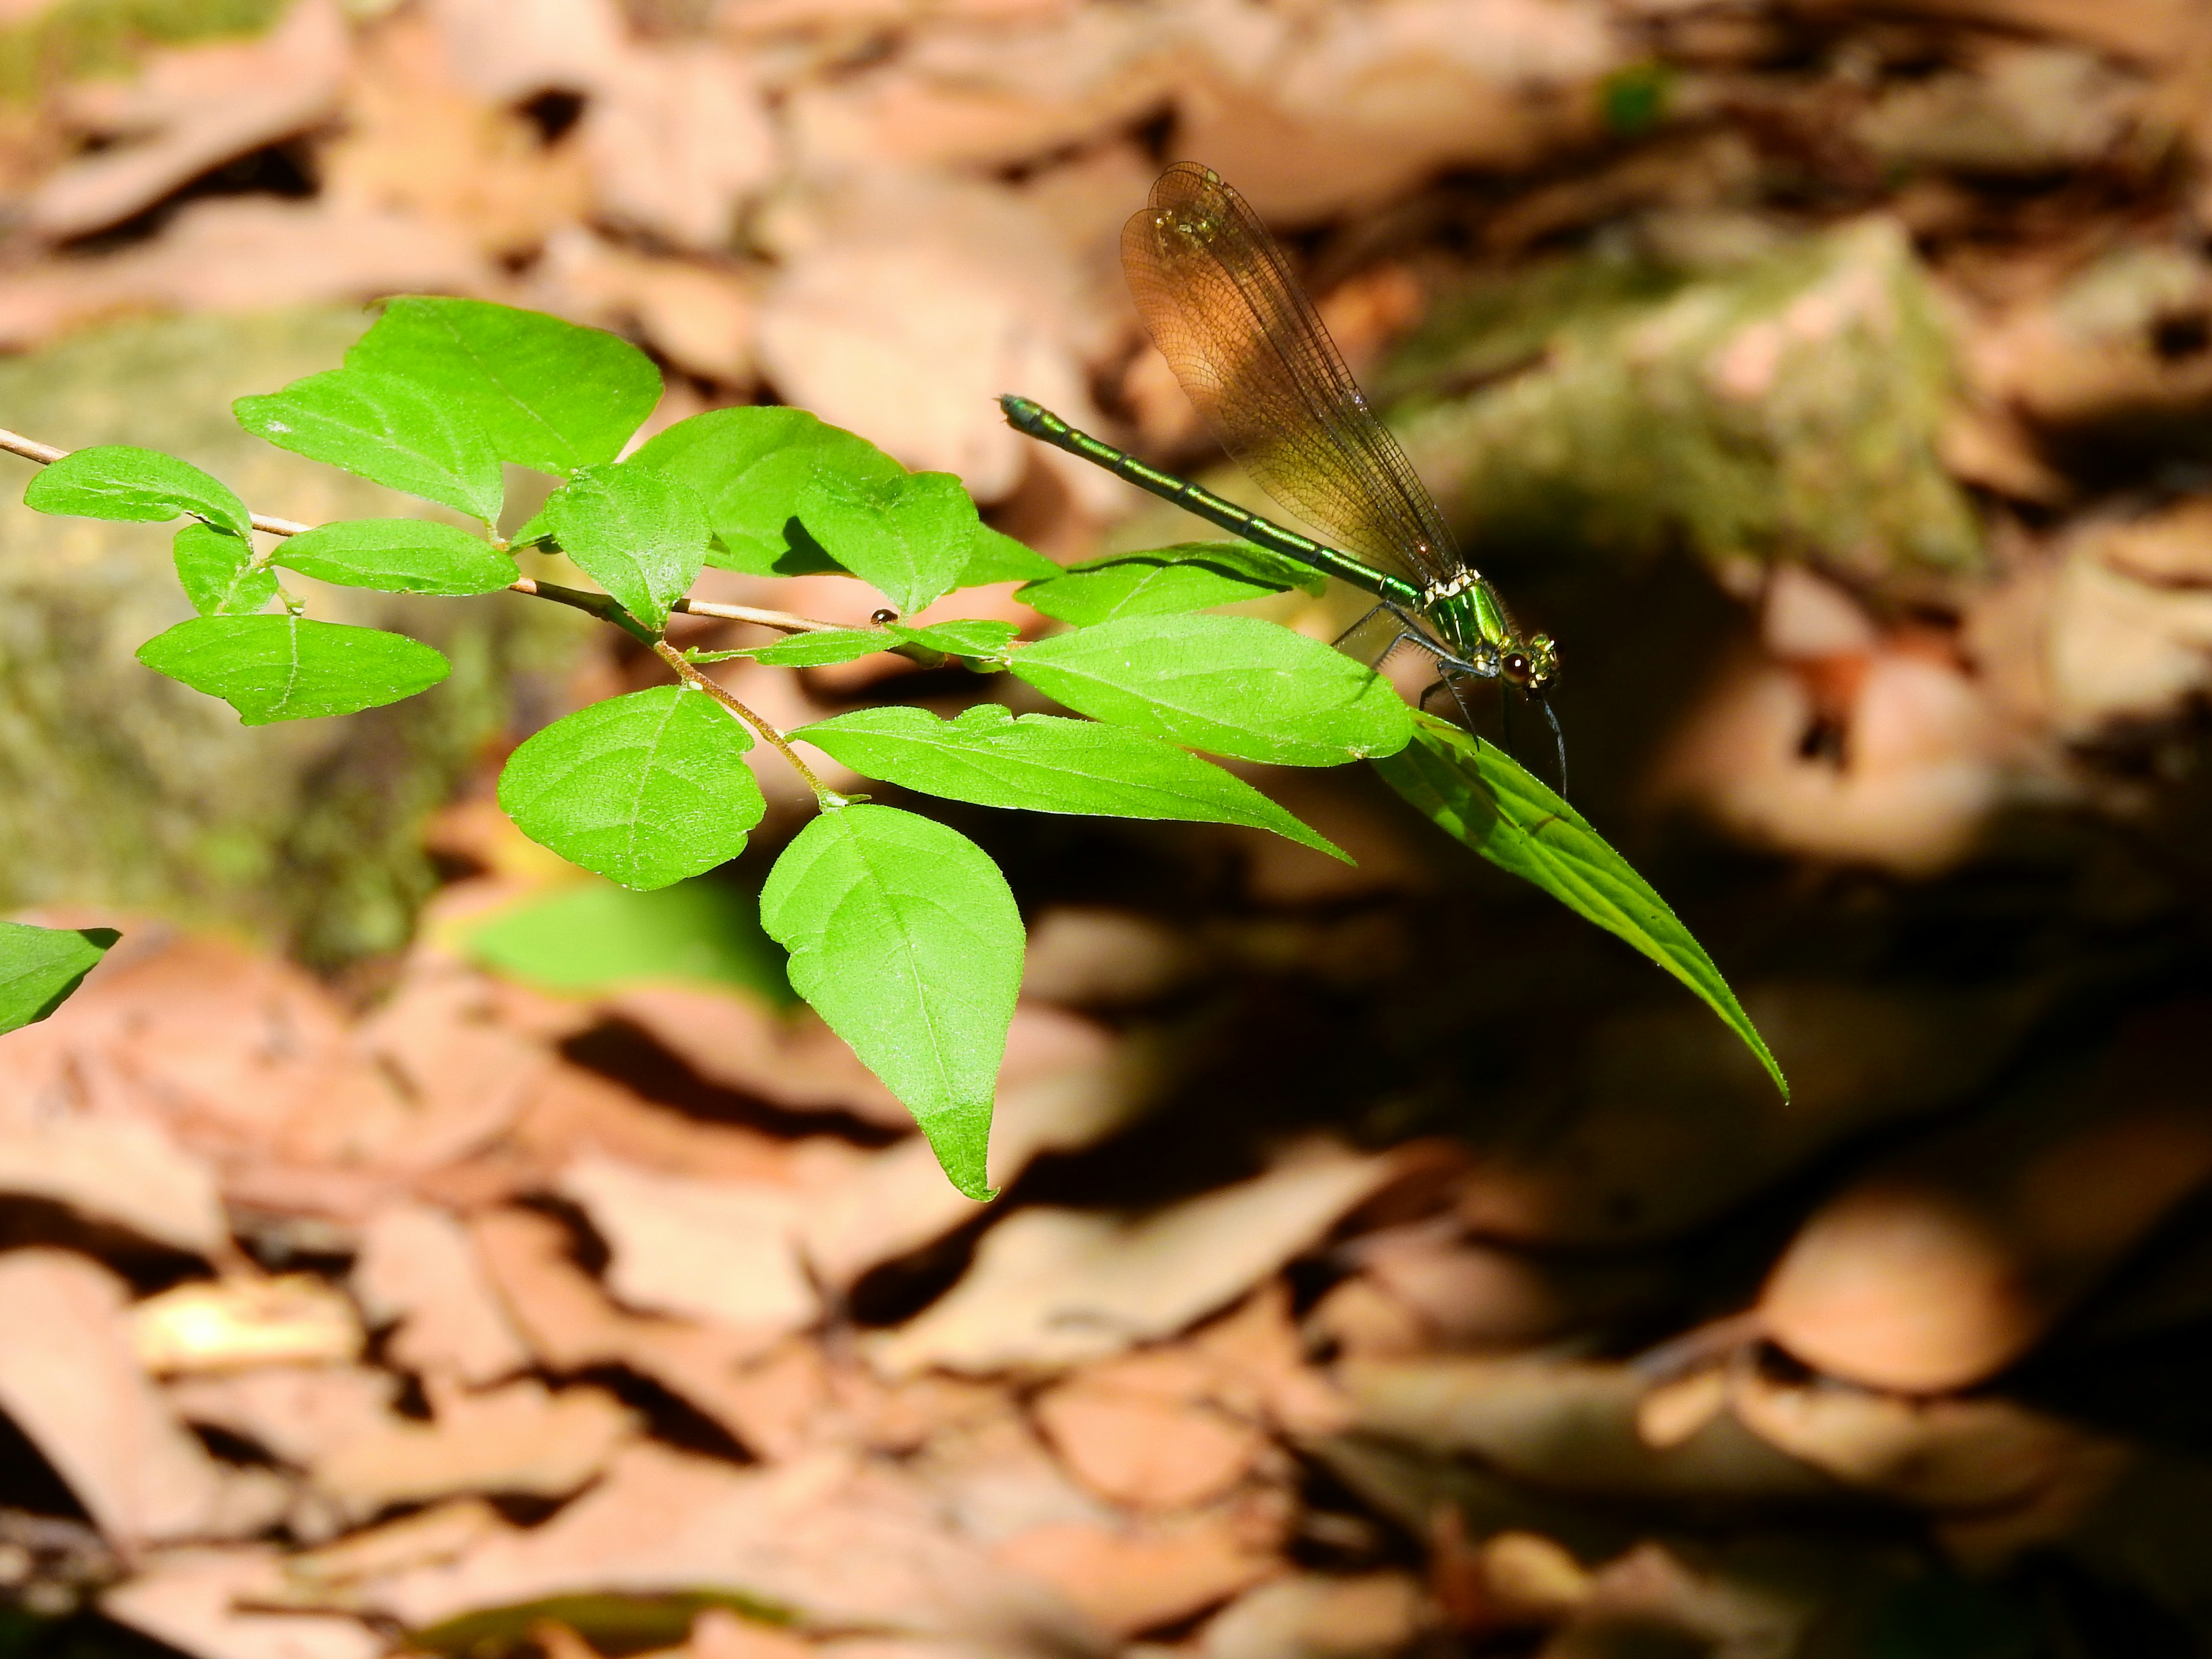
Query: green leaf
1481, 794
386, 429
217, 570
905, 938
548, 394
143, 486
1234, 685
644, 789
40, 966
591, 935
998, 557
638, 533
397, 555
824, 647
908, 539
751, 467
287, 668
968, 637
1047, 764
1190, 576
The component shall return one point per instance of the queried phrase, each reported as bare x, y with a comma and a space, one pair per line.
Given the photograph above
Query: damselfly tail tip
1017, 408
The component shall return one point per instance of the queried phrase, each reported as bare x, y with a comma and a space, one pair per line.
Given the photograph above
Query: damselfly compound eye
1515, 667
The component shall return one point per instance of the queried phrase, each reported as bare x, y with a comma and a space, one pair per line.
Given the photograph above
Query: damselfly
1216, 291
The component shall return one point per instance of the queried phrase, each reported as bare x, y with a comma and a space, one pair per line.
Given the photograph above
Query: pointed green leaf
1048, 765
968, 636
397, 555
217, 572
1481, 794
384, 429
906, 939
825, 647
995, 556
751, 467
1189, 576
644, 789
548, 394
638, 533
1234, 685
908, 539
40, 966
143, 486
287, 668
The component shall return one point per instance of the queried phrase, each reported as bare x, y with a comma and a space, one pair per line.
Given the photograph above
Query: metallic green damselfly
1217, 294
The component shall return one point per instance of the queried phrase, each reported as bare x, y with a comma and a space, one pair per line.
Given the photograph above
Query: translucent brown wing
1218, 296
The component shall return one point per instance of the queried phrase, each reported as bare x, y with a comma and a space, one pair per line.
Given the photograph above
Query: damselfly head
1532, 665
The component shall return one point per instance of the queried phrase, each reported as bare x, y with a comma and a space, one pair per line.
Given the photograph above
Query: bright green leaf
644, 789
40, 966
548, 394
386, 429
1047, 764
751, 467
287, 668
968, 636
906, 939
1234, 685
143, 486
908, 538
640, 534
588, 936
398, 556
217, 572
1478, 793
997, 557
825, 647
1191, 576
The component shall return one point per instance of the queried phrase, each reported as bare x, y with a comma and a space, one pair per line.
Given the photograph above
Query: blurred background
413, 1245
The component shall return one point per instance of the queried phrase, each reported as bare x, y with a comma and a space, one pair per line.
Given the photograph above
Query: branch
691, 676
46, 455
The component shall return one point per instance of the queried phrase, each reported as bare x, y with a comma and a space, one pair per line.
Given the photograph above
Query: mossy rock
1785, 405
119, 787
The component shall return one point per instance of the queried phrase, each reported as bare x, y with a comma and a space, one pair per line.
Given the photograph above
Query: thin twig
601, 605
692, 678
752, 613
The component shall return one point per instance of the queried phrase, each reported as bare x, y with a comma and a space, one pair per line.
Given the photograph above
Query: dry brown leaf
678, 140
992, 1478
570, 1324
1078, 955
723, 1251
1051, 1287
229, 1323
418, 1266
1062, 1083
1569, 1426
1945, 1263
246, 253
701, 317
734, 1041
1135, 1580
1308, 1616
1260, 1367
188, 1599
2029, 108
1980, 1454
504, 53
1311, 115
79, 1394
718, 1634
572, 1111
191, 108
299, 1413
1468, 1295
444, 1532
1360, 1319
417, 143
130, 1173
1144, 1451
518, 1438
838, 1544
2123, 629
986, 301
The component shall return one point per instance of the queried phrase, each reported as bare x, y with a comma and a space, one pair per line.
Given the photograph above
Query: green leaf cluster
900, 931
